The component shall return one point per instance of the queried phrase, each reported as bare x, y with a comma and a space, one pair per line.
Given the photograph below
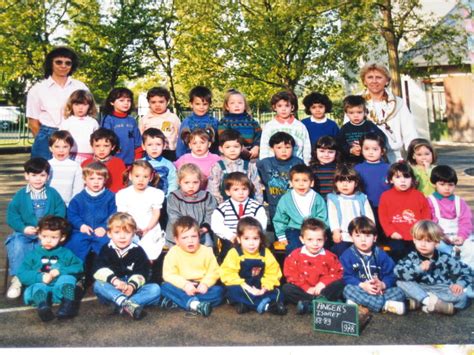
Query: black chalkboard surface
336, 317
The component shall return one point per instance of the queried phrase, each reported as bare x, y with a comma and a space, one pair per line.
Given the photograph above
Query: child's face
122, 237
325, 156
140, 177
444, 188
423, 156
190, 184
235, 104
94, 182
250, 240
317, 111
346, 187
199, 106
363, 242
199, 146
231, 150
301, 183
102, 148
60, 149
188, 240
282, 151
283, 109
238, 192
425, 247
371, 151
400, 182
80, 109
356, 114
37, 181
158, 104
50, 239
153, 146
313, 240
122, 104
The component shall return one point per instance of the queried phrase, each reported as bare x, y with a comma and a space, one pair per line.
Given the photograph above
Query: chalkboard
336, 317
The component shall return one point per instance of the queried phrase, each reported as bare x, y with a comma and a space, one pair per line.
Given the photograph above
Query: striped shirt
324, 178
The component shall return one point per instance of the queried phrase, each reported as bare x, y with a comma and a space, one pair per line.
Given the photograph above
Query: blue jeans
40, 147
81, 244
236, 294
54, 289
18, 245
293, 238
419, 292
147, 295
214, 295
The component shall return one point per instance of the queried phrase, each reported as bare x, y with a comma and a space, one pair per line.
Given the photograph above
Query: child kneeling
430, 278
51, 271
190, 271
251, 273
368, 271
122, 269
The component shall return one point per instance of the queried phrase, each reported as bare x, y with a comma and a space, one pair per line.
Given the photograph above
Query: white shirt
304, 203
46, 100
66, 178
81, 129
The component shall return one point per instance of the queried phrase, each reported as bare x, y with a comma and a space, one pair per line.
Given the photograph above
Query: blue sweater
374, 178
93, 211
128, 134
317, 130
193, 122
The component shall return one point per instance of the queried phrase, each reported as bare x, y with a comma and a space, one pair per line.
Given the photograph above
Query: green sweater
288, 216
20, 213
40, 261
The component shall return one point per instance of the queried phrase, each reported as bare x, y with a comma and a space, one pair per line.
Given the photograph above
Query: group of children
198, 189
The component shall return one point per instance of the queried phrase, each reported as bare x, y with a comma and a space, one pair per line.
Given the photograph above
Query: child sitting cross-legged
312, 271
368, 272
251, 273
50, 271
190, 272
122, 268
431, 279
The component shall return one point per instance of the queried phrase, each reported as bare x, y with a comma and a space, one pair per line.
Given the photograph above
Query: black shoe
134, 310
242, 308
67, 309
277, 308
45, 313
304, 307
204, 309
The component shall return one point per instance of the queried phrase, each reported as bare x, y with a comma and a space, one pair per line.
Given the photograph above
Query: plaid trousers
373, 302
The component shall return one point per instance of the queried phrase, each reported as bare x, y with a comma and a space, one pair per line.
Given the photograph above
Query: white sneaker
394, 307
14, 291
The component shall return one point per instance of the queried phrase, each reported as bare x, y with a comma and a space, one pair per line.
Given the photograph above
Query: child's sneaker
14, 291
304, 307
67, 309
438, 306
44, 312
133, 309
242, 308
277, 308
395, 307
412, 304
204, 309
166, 303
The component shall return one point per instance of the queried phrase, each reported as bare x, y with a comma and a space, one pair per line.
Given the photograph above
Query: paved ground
95, 326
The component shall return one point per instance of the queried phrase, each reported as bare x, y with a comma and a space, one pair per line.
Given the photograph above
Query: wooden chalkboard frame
355, 321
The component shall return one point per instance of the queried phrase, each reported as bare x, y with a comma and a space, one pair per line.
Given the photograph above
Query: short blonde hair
375, 66
189, 169
426, 229
124, 220
95, 167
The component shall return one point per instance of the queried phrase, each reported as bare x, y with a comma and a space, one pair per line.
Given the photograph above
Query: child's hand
311, 291
30, 230
396, 235
456, 289
379, 285
119, 285
128, 291
47, 278
258, 291
458, 240
318, 288
203, 230
425, 265
202, 289
189, 288
100, 232
86, 229
54, 273
369, 287
337, 236
254, 152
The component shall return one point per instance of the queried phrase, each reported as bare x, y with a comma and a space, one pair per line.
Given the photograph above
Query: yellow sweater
180, 266
229, 270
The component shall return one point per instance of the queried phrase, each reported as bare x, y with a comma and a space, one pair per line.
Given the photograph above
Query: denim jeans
147, 295
214, 295
236, 294
18, 245
40, 147
54, 289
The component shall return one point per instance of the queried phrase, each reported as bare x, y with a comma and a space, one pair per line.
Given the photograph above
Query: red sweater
400, 210
306, 271
116, 168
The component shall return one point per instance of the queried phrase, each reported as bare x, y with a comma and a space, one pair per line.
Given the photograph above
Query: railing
14, 132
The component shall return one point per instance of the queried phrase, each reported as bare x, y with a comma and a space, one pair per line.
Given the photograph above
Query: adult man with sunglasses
46, 99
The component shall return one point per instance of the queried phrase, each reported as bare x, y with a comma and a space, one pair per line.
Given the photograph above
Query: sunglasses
67, 63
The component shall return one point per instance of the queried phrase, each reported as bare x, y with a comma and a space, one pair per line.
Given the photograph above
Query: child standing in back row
317, 106
421, 156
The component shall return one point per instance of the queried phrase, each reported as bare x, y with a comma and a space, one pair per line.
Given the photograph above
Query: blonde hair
189, 169
426, 229
227, 96
124, 220
80, 97
95, 167
375, 66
